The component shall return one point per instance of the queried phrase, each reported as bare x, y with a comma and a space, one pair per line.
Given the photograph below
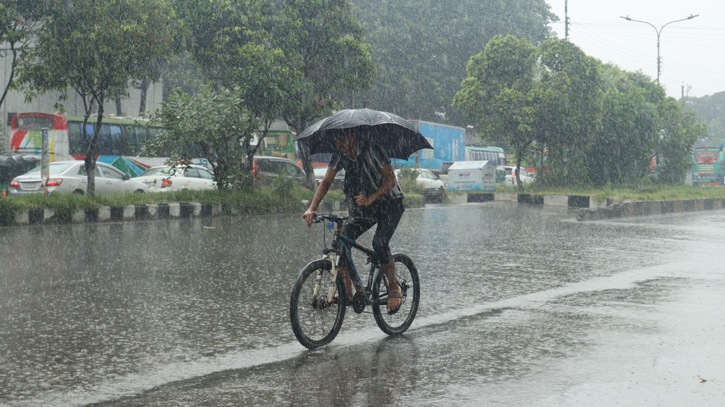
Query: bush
407, 179
9, 209
413, 200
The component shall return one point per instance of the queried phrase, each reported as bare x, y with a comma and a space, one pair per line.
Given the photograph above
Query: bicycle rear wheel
407, 275
316, 321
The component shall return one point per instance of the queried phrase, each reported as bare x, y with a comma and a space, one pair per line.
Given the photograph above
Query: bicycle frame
342, 246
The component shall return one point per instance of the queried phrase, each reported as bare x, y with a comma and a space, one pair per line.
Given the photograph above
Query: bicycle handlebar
339, 219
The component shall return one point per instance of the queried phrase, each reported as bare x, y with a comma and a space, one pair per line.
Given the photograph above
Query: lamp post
659, 31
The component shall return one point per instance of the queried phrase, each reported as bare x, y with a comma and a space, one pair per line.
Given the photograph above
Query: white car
432, 186
510, 175
337, 183
190, 177
71, 176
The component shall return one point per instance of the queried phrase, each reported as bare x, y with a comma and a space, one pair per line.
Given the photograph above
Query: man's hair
341, 134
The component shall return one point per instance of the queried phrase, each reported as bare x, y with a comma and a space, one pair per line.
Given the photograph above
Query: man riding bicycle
372, 196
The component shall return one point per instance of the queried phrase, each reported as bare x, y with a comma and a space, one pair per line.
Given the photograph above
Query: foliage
641, 123
335, 61
580, 121
78, 48
208, 125
182, 73
18, 21
407, 177
500, 92
709, 112
244, 46
568, 103
644, 189
421, 49
413, 200
284, 196
626, 142
9, 209
679, 132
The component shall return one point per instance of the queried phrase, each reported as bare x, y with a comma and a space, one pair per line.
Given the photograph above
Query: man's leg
393, 300
347, 282
388, 219
351, 228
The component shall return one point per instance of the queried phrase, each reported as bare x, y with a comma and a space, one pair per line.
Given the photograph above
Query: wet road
520, 305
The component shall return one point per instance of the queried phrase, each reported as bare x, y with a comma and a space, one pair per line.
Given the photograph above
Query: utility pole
566, 19
659, 31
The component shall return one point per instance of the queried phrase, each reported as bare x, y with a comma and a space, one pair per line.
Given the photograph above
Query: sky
692, 52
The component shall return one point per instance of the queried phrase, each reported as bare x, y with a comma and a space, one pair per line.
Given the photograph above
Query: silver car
71, 176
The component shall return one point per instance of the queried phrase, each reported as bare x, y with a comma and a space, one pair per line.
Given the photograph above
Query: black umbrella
396, 135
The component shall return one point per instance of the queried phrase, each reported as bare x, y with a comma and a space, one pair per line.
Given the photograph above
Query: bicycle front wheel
315, 319
407, 275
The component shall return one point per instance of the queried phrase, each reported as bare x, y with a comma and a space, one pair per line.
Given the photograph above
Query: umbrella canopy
18, 160
396, 135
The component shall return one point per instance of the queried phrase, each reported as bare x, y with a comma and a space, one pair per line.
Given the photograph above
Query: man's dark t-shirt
364, 175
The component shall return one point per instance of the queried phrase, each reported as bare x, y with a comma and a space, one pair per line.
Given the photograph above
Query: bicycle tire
407, 275
315, 323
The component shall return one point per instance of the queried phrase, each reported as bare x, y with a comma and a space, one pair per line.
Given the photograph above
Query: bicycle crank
358, 302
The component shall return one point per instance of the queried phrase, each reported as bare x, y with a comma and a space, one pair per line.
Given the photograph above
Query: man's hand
362, 200
309, 216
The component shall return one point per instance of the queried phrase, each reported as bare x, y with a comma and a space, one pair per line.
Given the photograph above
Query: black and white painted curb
124, 213
588, 209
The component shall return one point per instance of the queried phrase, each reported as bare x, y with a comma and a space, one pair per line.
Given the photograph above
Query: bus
708, 165
494, 154
119, 143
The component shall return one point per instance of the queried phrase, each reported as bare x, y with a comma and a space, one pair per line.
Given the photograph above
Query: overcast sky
692, 52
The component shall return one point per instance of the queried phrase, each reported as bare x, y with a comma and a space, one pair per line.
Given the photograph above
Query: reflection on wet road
519, 305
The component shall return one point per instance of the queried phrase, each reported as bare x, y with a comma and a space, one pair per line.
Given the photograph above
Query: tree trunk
119, 110
307, 166
12, 73
92, 148
144, 89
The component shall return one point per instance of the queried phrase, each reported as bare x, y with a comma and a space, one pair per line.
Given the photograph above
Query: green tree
241, 46
499, 93
18, 22
568, 111
206, 125
680, 130
96, 48
709, 110
421, 48
335, 61
627, 139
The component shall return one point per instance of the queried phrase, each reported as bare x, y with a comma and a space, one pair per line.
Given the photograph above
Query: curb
588, 210
644, 208
123, 213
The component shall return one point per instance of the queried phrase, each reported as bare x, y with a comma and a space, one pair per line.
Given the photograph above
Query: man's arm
319, 194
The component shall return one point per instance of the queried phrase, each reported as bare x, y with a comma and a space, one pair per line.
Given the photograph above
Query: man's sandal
395, 294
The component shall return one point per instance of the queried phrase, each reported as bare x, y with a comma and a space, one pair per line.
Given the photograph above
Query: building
46, 103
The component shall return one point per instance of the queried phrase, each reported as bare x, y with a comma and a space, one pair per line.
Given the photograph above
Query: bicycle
318, 300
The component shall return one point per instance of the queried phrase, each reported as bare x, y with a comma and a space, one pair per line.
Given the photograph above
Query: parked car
440, 176
164, 178
509, 175
71, 176
432, 186
267, 168
337, 183
443, 175
13, 165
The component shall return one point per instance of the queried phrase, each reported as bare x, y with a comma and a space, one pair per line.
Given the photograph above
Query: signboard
45, 161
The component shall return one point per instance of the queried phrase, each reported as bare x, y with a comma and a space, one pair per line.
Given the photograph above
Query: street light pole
658, 36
